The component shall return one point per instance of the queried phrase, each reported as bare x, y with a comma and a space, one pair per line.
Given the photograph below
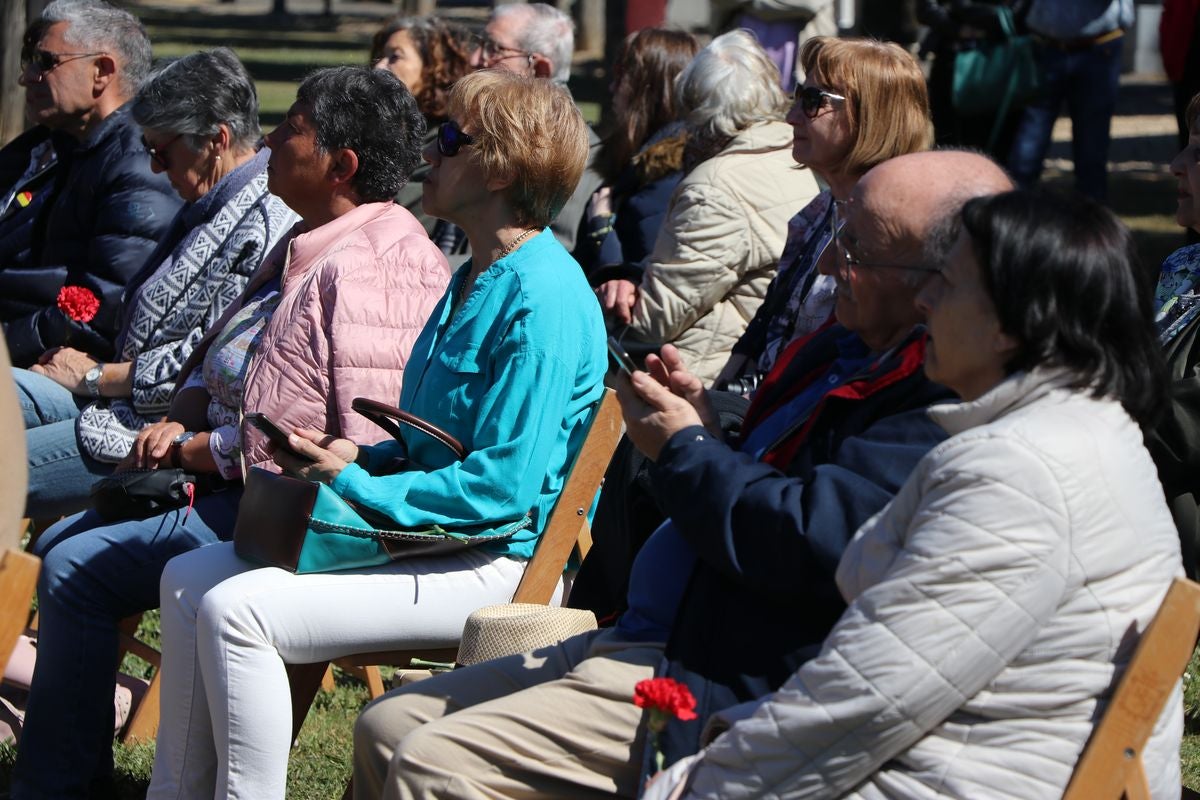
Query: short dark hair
370, 112
1066, 281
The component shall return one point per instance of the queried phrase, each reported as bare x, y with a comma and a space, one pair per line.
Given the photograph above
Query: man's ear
104, 72
540, 66
343, 166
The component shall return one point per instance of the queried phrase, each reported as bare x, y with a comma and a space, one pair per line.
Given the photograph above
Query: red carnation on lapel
78, 302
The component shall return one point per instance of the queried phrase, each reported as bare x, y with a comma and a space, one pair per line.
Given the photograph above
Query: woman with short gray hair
727, 222
199, 119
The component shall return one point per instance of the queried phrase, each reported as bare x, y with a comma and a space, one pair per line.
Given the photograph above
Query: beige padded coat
719, 246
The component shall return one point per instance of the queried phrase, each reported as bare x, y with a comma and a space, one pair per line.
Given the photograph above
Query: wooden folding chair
18, 581
566, 529
1111, 765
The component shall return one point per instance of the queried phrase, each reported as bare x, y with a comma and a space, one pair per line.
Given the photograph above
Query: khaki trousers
557, 722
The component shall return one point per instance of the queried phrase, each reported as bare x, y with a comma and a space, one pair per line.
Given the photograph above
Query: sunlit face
63, 95
297, 170
1186, 169
401, 57
967, 349
823, 141
876, 271
191, 173
455, 186
499, 48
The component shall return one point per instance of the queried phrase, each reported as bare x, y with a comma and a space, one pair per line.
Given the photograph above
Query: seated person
755, 532
199, 116
511, 364
82, 62
996, 601
293, 347
1175, 440
28, 165
725, 226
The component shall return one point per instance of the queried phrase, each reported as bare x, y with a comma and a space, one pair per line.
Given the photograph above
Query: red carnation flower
663, 698
78, 302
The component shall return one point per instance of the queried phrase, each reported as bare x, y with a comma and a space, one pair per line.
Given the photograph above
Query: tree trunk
279, 7
12, 96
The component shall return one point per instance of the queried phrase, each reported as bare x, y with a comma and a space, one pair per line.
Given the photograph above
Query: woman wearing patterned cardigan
199, 117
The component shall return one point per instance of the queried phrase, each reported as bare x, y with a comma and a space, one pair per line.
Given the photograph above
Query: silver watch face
184, 437
93, 374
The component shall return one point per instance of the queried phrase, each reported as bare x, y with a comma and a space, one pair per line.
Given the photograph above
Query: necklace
507, 249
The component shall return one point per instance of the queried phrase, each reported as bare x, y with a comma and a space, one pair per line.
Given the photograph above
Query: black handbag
141, 493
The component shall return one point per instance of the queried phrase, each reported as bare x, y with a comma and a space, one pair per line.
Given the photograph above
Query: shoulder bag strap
383, 415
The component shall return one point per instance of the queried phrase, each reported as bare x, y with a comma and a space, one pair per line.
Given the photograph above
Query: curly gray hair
730, 85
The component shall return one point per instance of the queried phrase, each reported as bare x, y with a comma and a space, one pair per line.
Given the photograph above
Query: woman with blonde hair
510, 363
861, 103
726, 222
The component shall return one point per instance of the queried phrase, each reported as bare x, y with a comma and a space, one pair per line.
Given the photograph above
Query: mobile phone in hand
620, 357
273, 432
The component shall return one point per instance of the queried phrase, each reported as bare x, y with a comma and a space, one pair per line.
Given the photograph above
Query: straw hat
511, 628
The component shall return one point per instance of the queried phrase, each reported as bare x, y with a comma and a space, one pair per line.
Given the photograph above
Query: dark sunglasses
811, 98
159, 154
451, 137
44, 61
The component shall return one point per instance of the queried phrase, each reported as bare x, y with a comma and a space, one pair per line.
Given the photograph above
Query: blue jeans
1087, 80
59, 475
93, 575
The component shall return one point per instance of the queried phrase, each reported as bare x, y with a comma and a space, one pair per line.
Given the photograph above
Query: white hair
94, 25
730, 85
544, 30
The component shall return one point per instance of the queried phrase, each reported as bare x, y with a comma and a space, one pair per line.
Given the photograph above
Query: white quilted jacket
992, 604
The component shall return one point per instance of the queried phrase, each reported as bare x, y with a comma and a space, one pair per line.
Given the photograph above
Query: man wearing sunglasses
81, 61
538, 40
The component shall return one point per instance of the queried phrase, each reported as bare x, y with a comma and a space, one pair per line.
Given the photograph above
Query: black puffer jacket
16, 221
106, 216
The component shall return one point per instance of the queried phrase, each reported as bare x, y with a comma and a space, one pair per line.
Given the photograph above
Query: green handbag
990, 78
304, 527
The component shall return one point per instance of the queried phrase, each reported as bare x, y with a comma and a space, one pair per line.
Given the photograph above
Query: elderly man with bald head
735, 590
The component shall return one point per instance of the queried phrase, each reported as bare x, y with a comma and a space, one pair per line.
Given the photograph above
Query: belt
1075, 45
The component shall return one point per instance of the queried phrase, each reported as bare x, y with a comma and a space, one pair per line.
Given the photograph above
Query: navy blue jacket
16, 221
769, 533
105, 217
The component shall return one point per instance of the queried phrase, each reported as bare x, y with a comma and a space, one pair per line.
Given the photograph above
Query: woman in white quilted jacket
994, 604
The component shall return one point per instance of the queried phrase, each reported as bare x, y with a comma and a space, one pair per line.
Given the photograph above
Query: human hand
325, 456
653, 414
617, 299
667, 368
66, 366
153, 445
601, 203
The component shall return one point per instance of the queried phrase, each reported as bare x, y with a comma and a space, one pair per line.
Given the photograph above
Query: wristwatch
177, 444
91, 379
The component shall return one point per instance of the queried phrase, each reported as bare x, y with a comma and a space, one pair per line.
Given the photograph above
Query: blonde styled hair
887, 104
526, 130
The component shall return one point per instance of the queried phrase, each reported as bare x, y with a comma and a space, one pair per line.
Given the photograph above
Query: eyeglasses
494, 52
811, 98
44, 61
158, 154
451, 137
847, 262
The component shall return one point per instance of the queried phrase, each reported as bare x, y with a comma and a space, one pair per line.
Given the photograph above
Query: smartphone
620, 357
273, 432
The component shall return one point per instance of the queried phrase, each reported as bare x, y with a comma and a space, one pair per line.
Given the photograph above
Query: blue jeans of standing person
93, 575
59, 475
1087, 81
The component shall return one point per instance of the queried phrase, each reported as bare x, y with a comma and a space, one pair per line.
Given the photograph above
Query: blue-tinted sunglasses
451, 137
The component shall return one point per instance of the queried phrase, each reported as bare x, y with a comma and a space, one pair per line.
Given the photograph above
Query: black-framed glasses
451, 137
44, 61
158, 153
811, 99
847, 262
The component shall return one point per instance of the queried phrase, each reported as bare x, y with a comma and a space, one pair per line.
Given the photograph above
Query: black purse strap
383, 415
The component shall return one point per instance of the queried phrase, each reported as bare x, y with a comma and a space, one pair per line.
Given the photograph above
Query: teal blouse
513, 375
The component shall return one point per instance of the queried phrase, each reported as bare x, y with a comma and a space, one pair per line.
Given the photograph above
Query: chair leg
327, 682
143, 725
305, 680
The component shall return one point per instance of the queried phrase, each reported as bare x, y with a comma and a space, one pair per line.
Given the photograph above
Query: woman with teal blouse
511, 364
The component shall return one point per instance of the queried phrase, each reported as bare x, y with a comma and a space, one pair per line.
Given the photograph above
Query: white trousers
228, 627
